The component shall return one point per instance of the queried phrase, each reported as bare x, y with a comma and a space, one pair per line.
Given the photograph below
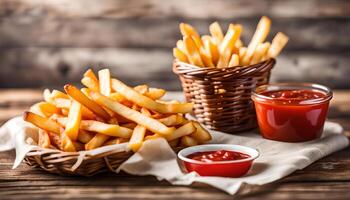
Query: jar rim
256, 94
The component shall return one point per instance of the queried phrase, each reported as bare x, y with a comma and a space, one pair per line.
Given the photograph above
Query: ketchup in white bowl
220, 155
225, 160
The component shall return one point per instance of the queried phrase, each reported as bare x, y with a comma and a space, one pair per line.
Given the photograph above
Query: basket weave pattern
222, 97
58, 162
62, 163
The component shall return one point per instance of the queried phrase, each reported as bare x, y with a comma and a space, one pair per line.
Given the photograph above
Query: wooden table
328, 178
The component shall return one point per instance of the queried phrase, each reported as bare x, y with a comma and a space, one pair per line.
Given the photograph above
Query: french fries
136, 139
128, 113
105, 81
192, 51
77, 95
109, 112
74, 119
227, 50
42, 122
147, 102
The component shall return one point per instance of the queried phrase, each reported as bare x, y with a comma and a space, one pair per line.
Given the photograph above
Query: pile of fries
222, 51
108, 112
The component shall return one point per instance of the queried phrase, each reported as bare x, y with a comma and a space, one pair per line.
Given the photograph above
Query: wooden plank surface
324, 179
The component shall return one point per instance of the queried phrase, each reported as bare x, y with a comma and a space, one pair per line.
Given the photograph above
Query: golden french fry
96, 141
230, 39
104, 77
107, 129
90, 73
172, 120
142, 89
76, 94
90, 80
58, 94
146, 112
260, 52
216, 32
227, 46
47, 95
43, 139
206, 58
147, 102
41, 122
62, 103
181, 46
201, 135
85, 136
239, 44
65, 104
211, 47
180, 55
151, 137
278, 42
192, 52
115, 141
66, 143
155, 93
234, 61
100, 127
259, 36
90, 83
74, 119
117, 97
186, 129
48, 109
188, 141
141, 119
241, 53
64, 111
37, 110
137, 137
188, 30
224, 59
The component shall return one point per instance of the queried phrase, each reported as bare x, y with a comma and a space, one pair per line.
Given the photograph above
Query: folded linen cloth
155, 157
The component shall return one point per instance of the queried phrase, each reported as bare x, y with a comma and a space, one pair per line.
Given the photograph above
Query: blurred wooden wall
53, 41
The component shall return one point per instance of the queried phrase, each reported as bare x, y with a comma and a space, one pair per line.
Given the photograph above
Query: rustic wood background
48, 43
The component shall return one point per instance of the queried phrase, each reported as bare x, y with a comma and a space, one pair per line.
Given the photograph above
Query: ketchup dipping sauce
291, 112
225, 160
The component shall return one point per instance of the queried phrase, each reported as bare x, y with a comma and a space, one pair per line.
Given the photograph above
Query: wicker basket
222, 96
63, 163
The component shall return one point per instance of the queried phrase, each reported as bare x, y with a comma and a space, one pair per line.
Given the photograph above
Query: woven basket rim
182, 68
40, 150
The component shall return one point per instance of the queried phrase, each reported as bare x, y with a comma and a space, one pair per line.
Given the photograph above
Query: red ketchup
214, 156
293, 113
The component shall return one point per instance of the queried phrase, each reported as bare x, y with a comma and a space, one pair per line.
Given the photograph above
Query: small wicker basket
222, 96
62, 163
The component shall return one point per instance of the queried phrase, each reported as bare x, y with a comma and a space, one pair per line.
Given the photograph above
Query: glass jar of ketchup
291, 112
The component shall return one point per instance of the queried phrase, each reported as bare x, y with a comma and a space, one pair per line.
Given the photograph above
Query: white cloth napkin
156, 158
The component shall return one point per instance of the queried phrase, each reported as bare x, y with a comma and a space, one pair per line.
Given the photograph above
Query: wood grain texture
43, 67
199, 9
328, 34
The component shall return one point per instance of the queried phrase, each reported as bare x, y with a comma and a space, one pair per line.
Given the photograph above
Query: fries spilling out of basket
222, 51
106, 112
